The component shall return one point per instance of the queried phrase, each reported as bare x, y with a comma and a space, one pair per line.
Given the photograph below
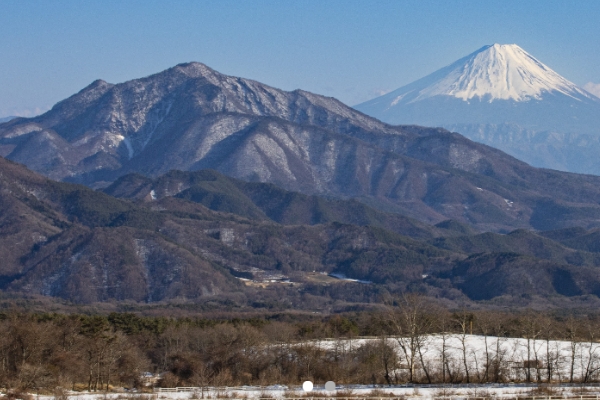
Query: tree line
100, 352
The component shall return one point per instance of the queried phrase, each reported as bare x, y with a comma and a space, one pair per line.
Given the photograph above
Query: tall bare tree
548, 332
531, 329
572, 335
443, 325
410, 318
464, 321
591, 363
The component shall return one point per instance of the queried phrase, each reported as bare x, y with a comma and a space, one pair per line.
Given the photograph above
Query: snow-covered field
422, 392
515, 356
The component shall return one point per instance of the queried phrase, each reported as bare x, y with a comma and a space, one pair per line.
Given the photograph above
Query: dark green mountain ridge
69, 241
264, 201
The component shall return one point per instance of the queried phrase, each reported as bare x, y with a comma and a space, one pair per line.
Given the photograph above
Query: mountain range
158, 243
191, 117
190, 185
502, 96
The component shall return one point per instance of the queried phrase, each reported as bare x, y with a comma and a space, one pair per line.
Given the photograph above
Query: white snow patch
113, 140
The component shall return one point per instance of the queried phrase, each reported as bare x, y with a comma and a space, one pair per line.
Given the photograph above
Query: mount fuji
502, 96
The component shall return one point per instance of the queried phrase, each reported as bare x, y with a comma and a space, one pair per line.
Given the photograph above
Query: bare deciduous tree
464, 321
411, 322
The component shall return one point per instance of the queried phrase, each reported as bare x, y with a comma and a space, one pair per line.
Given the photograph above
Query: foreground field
39, 353
362, 392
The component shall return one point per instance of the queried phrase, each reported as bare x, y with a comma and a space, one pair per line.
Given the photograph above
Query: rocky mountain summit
502, 96
191, 117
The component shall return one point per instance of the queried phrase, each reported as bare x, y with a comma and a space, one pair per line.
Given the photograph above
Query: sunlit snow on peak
499, 71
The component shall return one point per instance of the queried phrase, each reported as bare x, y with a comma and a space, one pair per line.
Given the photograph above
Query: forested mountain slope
69, 241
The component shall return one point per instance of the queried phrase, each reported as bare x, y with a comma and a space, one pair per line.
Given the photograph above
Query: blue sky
352, 50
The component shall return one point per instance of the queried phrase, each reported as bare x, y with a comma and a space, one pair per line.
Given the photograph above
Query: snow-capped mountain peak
499, 72
504, 97
495, 84
494, 72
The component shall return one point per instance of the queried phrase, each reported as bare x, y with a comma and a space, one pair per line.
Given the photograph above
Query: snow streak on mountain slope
505, 72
